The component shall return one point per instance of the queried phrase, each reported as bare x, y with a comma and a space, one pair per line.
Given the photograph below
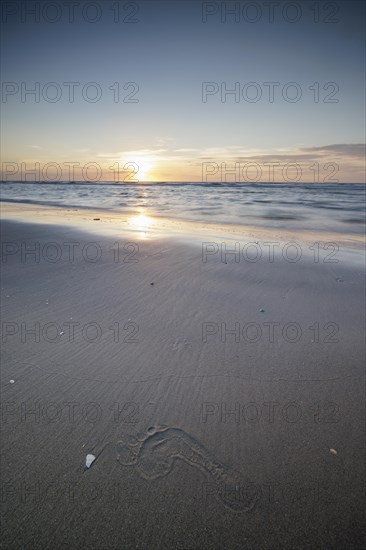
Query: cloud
343, 149
164, 142
138, 153
348, 155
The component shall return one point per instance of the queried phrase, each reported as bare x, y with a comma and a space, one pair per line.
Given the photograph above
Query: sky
148, 94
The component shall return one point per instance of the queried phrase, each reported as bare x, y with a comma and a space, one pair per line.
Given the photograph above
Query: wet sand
203, 438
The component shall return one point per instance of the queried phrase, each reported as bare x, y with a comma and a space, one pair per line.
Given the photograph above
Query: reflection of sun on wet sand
147, 226
141, 223
156, 452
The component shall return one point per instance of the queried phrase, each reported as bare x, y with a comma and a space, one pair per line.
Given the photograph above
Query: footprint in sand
155, 453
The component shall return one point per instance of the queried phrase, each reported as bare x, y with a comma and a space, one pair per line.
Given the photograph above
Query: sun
136, 167
145, 166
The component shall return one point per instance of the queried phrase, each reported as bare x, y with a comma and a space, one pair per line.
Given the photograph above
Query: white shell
89, 460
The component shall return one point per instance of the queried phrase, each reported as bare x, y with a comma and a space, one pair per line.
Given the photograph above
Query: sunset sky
170, 129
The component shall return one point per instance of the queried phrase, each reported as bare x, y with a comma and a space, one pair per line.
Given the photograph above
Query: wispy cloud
344, 149
164, 142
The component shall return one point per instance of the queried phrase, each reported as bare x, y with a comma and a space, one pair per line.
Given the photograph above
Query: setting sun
138, 169
145, 166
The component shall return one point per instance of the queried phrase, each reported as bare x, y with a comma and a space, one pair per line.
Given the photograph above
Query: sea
323, 207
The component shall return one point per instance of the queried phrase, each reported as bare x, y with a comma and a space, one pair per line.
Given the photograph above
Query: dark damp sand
172, 471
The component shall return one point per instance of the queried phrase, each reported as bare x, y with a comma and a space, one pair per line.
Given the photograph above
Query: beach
182, 216
214, 373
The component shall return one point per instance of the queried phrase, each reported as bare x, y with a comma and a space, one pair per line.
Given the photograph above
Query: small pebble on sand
333, 451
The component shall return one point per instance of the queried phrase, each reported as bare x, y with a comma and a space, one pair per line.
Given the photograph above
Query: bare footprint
155, 453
